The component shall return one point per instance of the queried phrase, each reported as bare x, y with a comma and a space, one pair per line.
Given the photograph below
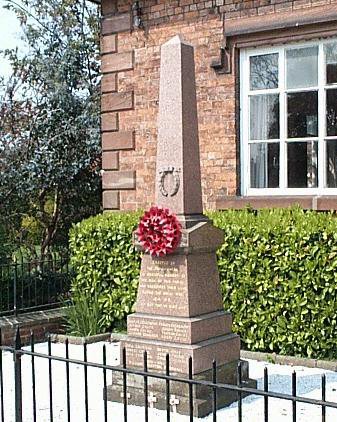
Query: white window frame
244, 119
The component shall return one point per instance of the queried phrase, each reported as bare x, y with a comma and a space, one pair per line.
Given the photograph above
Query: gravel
308, 385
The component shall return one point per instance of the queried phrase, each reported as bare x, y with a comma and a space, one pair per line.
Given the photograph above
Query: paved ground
308, 385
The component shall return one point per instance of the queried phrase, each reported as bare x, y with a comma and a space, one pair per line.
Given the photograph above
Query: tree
49, 122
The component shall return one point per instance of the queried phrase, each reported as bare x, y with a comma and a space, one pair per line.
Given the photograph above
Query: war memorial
179, 309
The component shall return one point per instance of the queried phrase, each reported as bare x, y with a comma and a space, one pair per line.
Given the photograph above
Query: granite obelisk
179, 309
178, 139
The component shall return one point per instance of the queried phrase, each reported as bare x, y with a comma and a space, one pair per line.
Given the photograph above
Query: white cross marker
152, 399
128, 396
174, 402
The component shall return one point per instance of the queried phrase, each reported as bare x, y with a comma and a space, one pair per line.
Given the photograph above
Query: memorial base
179, 391
222, 349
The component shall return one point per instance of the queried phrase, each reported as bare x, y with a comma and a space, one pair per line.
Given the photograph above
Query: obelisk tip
176, 40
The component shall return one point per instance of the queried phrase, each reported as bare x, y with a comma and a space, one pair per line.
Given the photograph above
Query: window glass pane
264, 117
264, 165
331, 112
302, 114
264, 71
302, 67
302, 164
331, 63
331, 164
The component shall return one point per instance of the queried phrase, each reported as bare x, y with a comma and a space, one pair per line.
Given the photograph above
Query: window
289, 119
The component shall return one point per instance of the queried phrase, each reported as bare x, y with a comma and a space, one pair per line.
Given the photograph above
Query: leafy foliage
49, 130
106, 264
277, 271
278, 274
4, 247
83, 316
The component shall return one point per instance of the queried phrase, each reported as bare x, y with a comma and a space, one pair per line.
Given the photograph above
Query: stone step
222, 349
179, 391
179, 329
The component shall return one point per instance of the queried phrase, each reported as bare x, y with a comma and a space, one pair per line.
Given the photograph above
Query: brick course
117, 62
39, 323
109, 82
136, 66
117, 141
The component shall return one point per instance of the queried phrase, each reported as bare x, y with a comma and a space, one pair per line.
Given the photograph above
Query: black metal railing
37, 284
17, 353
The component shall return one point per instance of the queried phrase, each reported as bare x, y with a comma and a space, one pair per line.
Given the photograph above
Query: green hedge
106, 263
277, 270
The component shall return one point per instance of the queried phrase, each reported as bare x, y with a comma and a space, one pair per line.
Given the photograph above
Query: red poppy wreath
159, 231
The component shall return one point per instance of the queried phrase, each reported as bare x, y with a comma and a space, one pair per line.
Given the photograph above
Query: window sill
319, 203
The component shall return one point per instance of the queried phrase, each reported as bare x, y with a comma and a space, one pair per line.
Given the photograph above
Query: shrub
277, 271
278, 276
83, 316
106, 263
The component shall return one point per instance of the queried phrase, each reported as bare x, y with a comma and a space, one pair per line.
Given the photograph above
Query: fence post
17, 376
15, 293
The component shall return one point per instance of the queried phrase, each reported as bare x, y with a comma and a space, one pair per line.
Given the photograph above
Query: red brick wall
40, 329
130, 64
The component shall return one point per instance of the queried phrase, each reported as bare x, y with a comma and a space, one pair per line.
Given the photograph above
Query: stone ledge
202, 394
318, 203
110, 200
31, 318
109, 83
110, 160
108, 7
117, 337
117, 101
281, 20
290, 360
117, 23
117, 62
111, 337
109, 44
40, 323
61, 338
223, 349
113, 141
109, 122
186, 330
115, 180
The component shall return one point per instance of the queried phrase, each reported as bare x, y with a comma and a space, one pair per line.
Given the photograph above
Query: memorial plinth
179, 308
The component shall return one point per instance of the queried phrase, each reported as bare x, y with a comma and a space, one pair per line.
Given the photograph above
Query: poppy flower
159, 231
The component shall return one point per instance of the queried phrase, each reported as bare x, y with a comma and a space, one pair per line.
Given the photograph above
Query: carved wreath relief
176, 180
